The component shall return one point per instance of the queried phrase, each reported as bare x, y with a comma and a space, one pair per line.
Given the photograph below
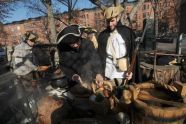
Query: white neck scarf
116, 47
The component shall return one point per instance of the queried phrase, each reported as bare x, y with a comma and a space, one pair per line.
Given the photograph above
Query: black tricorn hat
70, 34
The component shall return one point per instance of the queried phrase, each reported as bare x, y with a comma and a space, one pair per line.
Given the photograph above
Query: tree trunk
127, 20
51, 22
136, 8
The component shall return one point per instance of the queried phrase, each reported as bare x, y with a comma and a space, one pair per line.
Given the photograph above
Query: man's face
75, 45
31, 43
112, 23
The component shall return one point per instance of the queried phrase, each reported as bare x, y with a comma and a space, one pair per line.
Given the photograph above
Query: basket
164, 74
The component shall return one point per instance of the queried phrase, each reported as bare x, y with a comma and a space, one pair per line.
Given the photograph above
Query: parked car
182, 51
182, 44
2, 55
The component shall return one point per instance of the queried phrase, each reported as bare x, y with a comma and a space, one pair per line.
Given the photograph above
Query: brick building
91, 18
15, 30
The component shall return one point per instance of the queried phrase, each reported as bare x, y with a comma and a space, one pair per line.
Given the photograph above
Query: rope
167, 86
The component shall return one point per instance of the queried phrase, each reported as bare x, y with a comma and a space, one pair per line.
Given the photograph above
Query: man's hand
42, 68
99, 79
128, 75
57, 71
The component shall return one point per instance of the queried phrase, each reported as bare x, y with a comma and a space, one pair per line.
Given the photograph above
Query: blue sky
22, 13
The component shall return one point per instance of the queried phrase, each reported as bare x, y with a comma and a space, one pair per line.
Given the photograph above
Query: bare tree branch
36, 7
43, 7
70, 4
74, 4
6, 8
64, 2
99, 4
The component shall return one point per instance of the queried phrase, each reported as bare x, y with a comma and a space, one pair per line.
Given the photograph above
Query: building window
144, 15
12, 30
147, 6
18, 28
139, 17
144, 7
148, 14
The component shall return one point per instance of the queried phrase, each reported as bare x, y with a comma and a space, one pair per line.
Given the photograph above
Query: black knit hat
70, 34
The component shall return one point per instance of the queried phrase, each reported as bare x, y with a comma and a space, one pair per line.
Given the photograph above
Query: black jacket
129, 37
84, 62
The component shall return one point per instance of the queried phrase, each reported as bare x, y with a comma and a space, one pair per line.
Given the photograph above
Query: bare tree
103, 3
169, 12
177, 7
47, 8
48, 5
135, 9
3, 34
70, 4
43, 7
109, 2
175, 14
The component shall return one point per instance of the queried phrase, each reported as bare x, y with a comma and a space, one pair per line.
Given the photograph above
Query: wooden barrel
150, 112
164, 74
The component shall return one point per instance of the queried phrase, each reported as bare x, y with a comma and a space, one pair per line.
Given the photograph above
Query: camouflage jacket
23, 59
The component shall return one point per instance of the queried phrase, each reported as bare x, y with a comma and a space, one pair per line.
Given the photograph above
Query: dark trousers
24, 108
